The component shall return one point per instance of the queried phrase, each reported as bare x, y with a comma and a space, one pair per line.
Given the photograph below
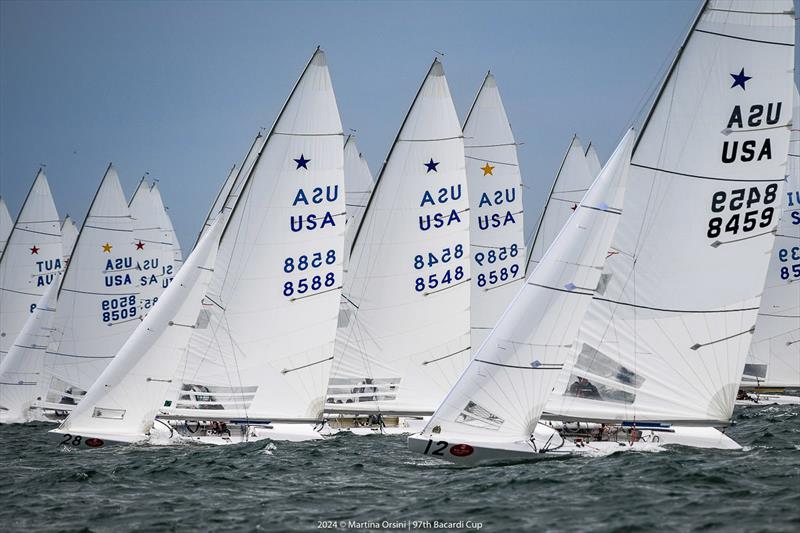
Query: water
292, 486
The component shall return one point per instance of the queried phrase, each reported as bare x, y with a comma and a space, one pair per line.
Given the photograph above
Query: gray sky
180, 88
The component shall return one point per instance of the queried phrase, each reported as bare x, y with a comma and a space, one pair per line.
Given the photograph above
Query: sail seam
552, 366
424, 363
744, 38
699, 311
562, 290
81, 356
287, 370
712, 178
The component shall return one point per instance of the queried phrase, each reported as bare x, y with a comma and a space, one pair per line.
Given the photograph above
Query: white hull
548, 442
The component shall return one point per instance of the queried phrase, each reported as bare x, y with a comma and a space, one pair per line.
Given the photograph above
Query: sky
179, 89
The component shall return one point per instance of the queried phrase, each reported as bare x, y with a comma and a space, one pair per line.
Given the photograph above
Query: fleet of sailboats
656, 292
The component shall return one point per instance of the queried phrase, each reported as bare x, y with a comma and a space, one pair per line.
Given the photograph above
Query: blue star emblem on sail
302, 162
431, 165
740, 79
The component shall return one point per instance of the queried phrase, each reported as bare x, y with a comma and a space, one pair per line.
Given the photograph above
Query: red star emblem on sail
139, 245
34, 250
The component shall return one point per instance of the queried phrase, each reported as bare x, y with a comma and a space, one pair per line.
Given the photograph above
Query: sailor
583, 388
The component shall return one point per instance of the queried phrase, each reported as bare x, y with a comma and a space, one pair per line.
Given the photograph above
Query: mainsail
165, 224
21, 369
665, 338
358, 188
29, 261
124, 400
497, 237
501, 394
572, 181
98, 302
264, 346
774, 358
154, 249
6, 223
404, 338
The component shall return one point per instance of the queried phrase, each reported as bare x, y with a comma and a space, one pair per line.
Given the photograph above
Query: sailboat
663, 345
258, 359
493, 410
155, 253
6, 223
773, 362
403, 338
497, 239
573, 179
122, 404
30, 259
98, 304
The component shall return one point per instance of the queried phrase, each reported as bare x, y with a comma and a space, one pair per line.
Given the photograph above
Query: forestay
497, 239
264, 347
154, 255
666, 337
774, 358
501, 394
572, 181
98, 302
6, 223
404, 338
125, 398
358, 188
31, 258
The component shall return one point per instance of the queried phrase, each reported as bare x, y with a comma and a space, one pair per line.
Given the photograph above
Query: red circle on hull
461, 450
94, 443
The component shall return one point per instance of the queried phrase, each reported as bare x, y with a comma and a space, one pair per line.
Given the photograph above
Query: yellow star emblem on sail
487, 170
107, 248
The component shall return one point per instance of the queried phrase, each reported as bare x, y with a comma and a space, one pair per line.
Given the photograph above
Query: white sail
358, 188
21, 369
69, 234
6, 223
154, 247
165, 223
501, 394
404, 339
265, 346
774, 358
497, 236
666, 337
593, 160
125, 398
572, 181
30, 259
98, 304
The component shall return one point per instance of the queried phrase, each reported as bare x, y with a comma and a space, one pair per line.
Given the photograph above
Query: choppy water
293, 486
